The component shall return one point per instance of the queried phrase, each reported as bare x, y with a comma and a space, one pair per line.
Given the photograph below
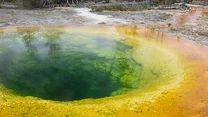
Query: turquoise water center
66, 65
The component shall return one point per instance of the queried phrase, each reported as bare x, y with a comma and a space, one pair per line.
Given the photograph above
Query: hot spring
58, 65
81, 71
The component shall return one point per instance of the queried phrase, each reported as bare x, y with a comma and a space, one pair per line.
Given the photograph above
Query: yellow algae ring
92, 72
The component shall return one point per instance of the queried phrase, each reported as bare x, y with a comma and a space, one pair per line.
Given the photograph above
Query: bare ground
39, 17
192, 25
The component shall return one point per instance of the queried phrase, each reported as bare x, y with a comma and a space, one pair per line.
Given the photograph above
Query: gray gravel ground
139, 17
195, 30
40, 17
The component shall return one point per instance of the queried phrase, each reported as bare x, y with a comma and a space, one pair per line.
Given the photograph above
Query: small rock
169, 24
102, 23
141, 22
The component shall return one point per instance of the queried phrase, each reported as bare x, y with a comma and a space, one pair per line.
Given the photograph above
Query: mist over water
59, 65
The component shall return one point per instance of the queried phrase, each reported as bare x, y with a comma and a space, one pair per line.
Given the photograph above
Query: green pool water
66, 65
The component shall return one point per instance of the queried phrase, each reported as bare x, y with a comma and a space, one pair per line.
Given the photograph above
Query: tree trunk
72, 2
67, 2
77, 2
